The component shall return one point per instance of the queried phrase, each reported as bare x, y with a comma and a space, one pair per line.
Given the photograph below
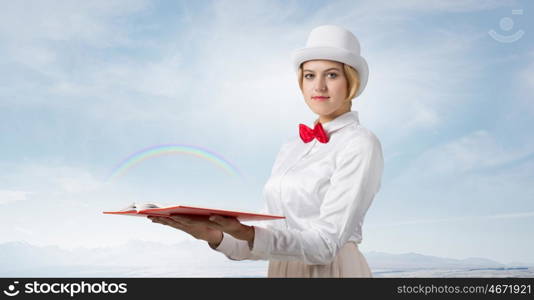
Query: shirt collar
340, 121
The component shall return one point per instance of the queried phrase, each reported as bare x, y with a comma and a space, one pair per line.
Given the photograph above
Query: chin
323, 111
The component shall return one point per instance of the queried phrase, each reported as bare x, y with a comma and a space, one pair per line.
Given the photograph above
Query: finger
223, 221
229, 225
191, 220
155, 219
175, 224
178, 225
216, 219
181, 219
170, 221
164, 221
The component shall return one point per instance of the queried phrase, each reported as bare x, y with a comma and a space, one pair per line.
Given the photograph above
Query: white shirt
323, 190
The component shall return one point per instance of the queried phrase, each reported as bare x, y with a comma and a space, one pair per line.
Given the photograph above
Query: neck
327, 118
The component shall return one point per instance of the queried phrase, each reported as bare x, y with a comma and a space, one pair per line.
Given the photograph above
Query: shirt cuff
233, 248
227, 244
262, 245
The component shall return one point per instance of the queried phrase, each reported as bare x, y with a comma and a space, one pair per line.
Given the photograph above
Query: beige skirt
349, 262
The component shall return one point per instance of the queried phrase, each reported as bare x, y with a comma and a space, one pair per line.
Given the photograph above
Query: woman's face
325, 78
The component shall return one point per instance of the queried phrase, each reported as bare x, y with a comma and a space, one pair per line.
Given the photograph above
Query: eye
334, 75
306, 76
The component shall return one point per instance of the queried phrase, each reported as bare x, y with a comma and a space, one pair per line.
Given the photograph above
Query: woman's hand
209, 228
198, 229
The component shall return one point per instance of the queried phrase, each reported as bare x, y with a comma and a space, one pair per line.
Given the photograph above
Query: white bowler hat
336, 43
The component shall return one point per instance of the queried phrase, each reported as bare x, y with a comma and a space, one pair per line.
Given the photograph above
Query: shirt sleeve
236, 249
353, 185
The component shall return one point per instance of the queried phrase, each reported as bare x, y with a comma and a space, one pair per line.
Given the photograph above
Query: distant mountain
192, 259
417, 261
422, 266
133, 259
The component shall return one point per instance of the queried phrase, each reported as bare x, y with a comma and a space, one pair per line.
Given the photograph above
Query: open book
146, 209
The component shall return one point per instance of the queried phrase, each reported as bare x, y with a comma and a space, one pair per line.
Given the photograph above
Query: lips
320, 98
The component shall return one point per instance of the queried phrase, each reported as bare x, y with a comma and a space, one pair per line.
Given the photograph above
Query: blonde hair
353, 81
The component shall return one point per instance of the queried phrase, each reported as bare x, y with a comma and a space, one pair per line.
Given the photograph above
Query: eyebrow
324, 70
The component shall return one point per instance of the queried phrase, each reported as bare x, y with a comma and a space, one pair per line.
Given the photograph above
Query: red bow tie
307, 134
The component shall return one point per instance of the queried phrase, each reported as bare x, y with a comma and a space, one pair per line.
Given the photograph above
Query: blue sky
83, 85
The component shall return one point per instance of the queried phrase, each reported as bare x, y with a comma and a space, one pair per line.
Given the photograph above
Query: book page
139, 206
142, 206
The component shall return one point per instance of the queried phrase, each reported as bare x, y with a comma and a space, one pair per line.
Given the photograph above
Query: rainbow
160, 150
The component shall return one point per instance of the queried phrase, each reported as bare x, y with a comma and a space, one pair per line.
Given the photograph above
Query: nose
320, 84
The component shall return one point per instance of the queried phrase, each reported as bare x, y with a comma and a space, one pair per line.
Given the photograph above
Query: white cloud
225, 73
411, 87
475, 174
46, 178
24, 230
450, 6
78, 182
476, 151
92, 22
381, 15
8, 196
44, 37
41, 35
239, 71
525, 82
454, 220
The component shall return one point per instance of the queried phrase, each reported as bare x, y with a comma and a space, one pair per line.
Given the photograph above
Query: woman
322, 182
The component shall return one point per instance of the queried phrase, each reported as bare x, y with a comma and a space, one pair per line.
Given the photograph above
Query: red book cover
144, 210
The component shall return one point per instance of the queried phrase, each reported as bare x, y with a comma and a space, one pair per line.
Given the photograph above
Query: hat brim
336, 54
